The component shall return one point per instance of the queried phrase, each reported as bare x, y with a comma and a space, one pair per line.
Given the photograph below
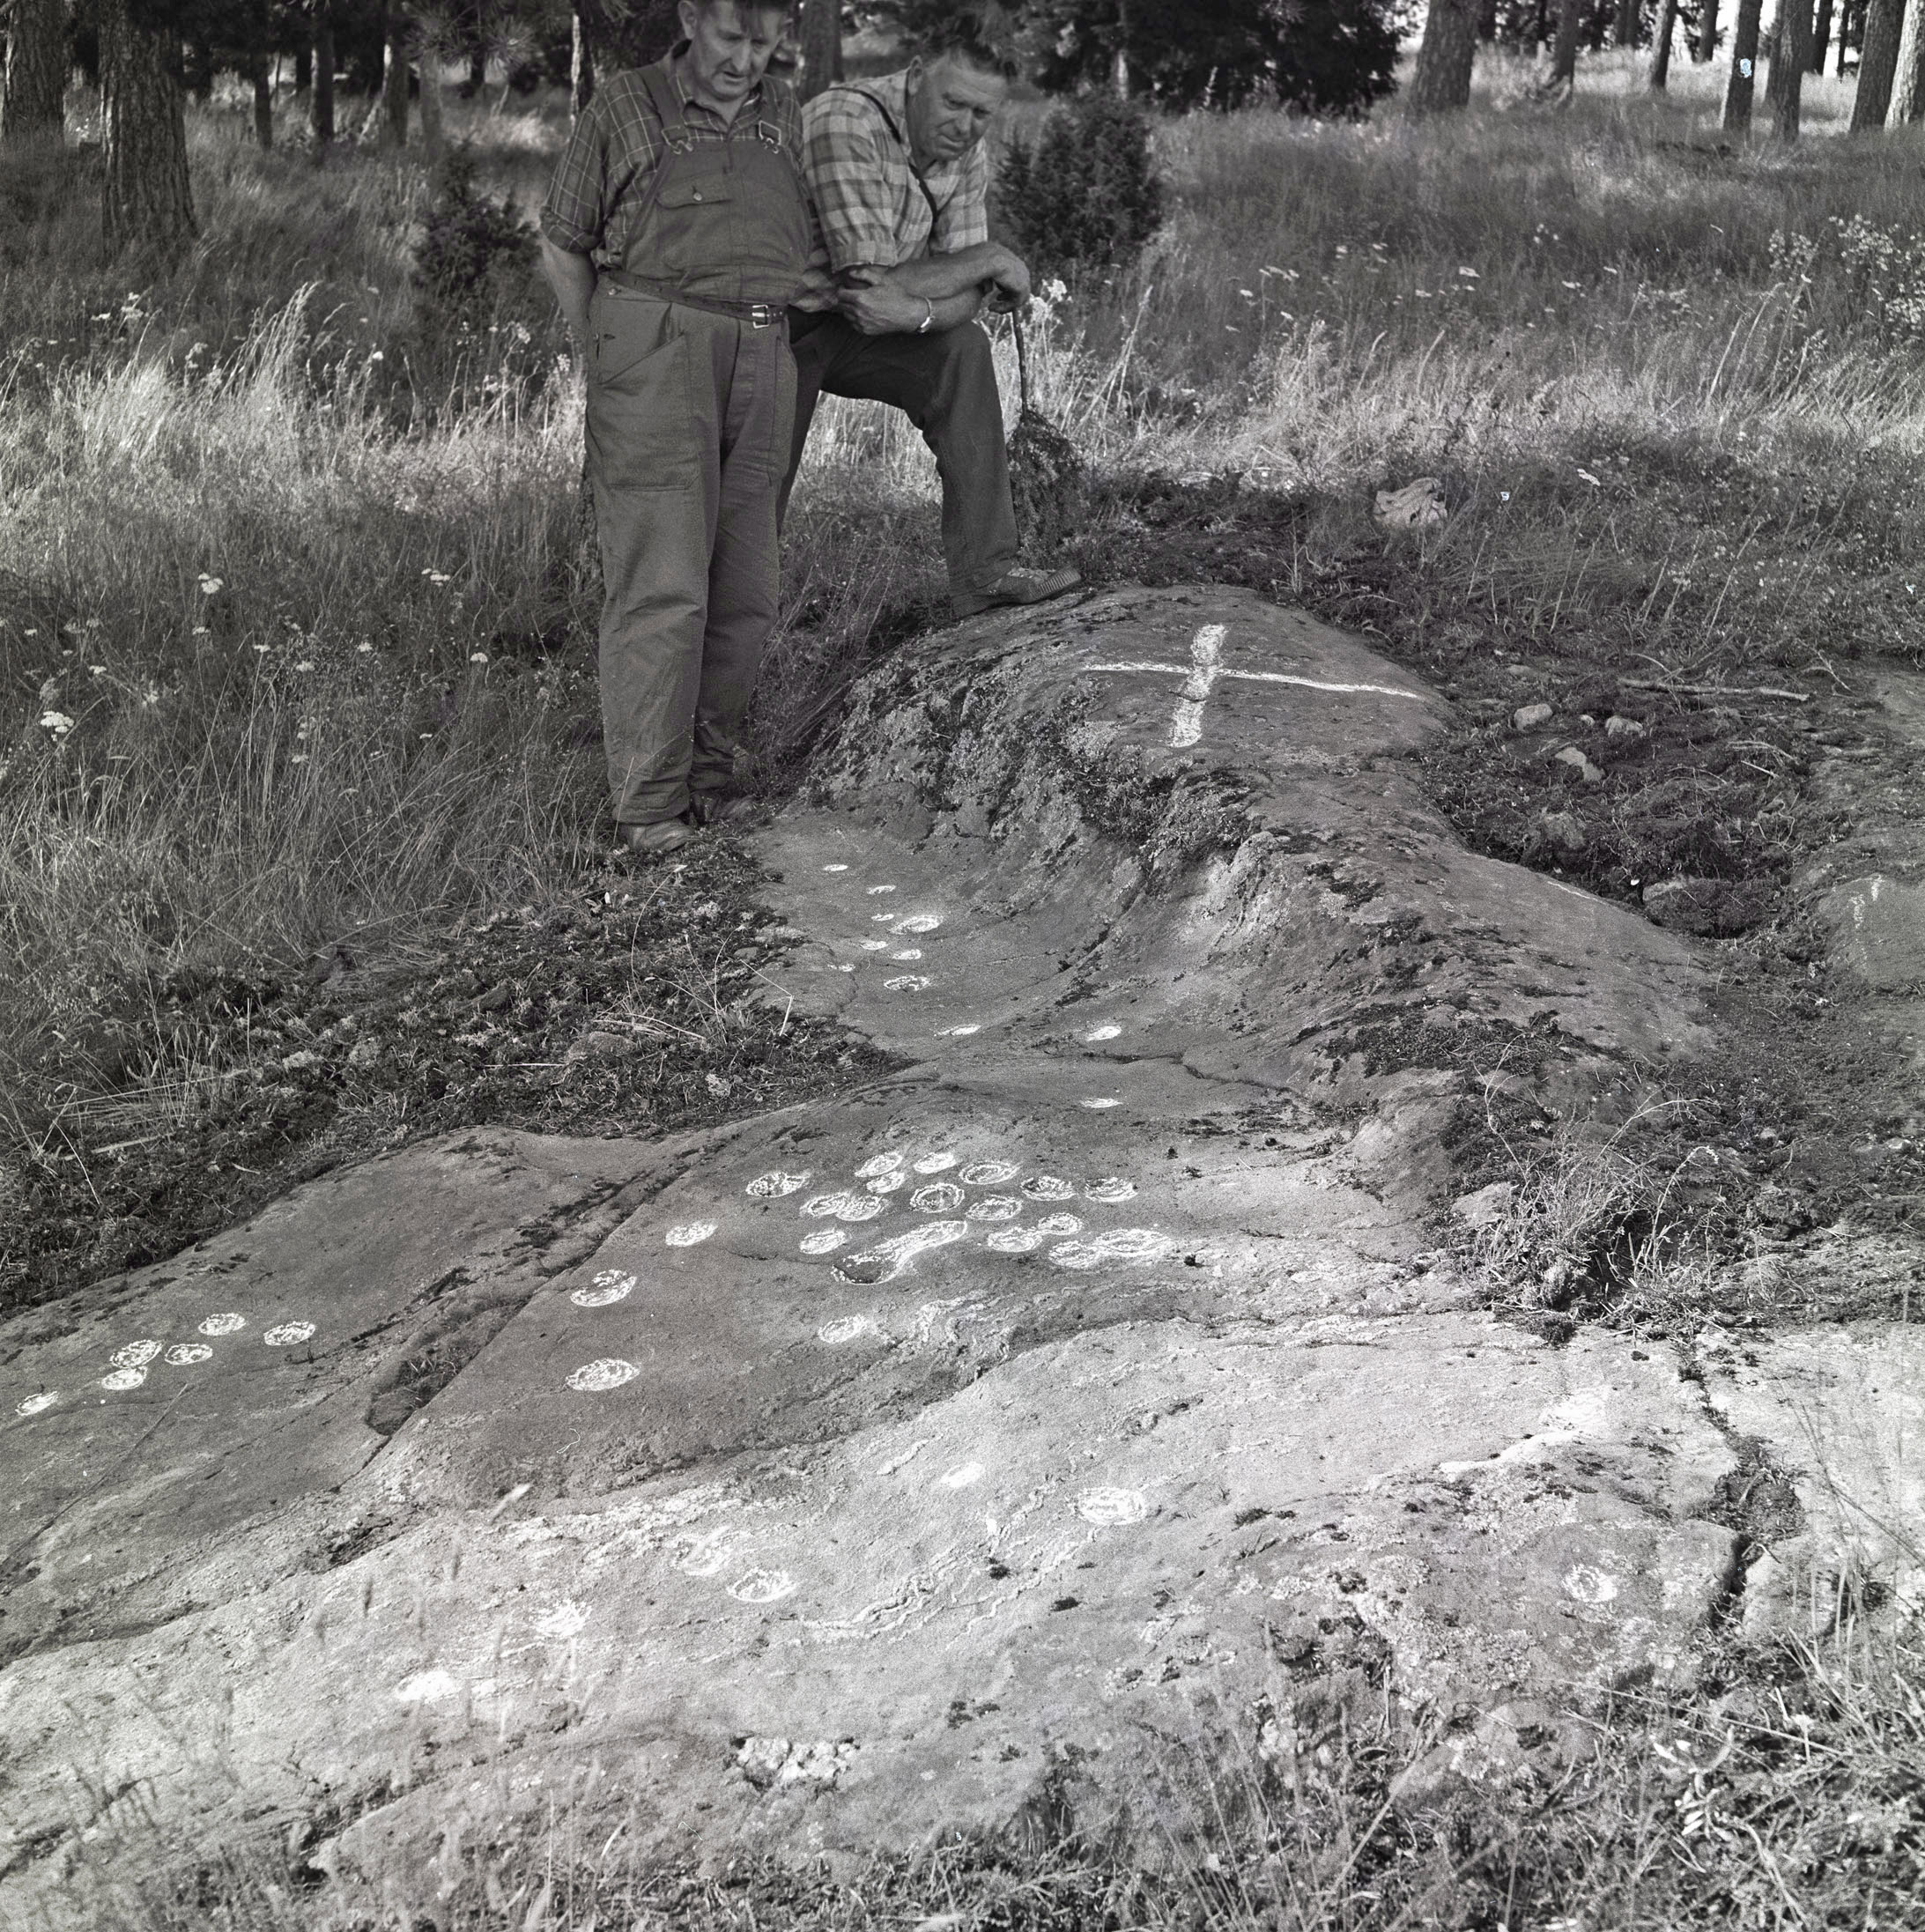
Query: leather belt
757, 314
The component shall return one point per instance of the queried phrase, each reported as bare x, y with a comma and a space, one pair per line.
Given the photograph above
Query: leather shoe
1022, 585
657, 838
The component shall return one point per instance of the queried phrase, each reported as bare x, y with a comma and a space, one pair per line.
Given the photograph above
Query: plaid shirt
601, 180
874, 213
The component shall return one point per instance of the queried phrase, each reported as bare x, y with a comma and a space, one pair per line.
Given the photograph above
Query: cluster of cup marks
931, 1193
901, 926
127, 1365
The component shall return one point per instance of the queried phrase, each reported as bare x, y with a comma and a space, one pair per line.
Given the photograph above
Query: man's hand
880, 308
1012, 280
572, 277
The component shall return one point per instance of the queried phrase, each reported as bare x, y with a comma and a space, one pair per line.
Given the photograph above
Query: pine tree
147, 202
1441, 83
34, 86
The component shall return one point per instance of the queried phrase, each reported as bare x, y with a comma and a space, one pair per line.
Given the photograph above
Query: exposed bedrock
921, 1457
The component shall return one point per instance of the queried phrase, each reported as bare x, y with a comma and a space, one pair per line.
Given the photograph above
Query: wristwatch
922, 326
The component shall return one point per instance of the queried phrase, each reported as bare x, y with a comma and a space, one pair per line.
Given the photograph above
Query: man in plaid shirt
903, 266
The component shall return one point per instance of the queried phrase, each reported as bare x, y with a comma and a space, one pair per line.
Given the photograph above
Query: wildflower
200, 630
364, 645
299, 758
1504, 496
263, 646
56, 721
1249, 294
377, 357
1588, 477
1341, 250
437, 576
477, 657
1573, 285
1469, 274
208, 585
99, 670
305, 664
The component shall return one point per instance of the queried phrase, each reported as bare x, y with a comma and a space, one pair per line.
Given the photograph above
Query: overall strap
666, 98
888, 121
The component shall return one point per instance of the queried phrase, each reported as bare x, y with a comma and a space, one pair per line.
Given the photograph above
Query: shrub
1086, 194
474, 244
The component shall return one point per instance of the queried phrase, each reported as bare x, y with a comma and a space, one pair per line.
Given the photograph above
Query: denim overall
691, 403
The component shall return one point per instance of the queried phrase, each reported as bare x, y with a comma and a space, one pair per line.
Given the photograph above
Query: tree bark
1630, 18
1877, 64
1790, 61
1739, 87
1708, 33
821, 46
263, 99
394, 81
1821, 35
1661, 47
581, 71
1441, 82
34, 86
428, 68
146, 201
1851, 31
1908, 83
1564, 54
320, 103
1487, 22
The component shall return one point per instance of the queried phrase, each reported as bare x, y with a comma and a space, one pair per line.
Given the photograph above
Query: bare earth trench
931, 1457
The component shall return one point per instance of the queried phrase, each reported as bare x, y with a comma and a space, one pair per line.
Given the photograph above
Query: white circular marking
821, 1204
1112, 1507
1102, 1101
995, 1207
918, 922
224, 1324
611, 1286
134, 1355
1054, 1226
886, 1183
596, 1377
567, 1618
875, 891
875, 945
428, 1687
34, 1405
124, 1377
1048, 1187
961, 1476
1589, 1586
1016, 1241
908, 982
844, 1329
987, 1174
879, 1164
939, 1197
1096, 1033
774, 1186
880, 919
835, 868
825, 1240
1114, 1187
956, 1033
1120, 1244
287, 1334
907, 953
935, 1164
185, 1354
765, 1586
859, 1207
689, 1234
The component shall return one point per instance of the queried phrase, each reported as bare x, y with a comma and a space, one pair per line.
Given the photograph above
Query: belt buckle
763, 315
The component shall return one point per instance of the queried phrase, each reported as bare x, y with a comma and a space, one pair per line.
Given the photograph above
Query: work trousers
690, 415
945, 384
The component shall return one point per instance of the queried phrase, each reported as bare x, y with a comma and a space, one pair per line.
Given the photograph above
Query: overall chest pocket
693, 222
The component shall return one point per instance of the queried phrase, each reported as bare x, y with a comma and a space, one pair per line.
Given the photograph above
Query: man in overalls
677, 227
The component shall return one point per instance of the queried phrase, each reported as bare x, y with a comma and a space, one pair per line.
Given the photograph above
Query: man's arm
899, 301
571, 277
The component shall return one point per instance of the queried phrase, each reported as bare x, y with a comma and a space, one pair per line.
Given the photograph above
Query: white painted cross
1206, 666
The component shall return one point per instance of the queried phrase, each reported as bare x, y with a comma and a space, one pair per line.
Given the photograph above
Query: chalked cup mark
288, 1333
994, 1207
879, 1164
224, 1324
1112, 1508
124, 1379
939, 1197
690, 1233
1111, 1189
825, 1240
185, 1354
134, 1355
1048, 1187
987, 1174
610, 1286
774, 1186
845, 1328
961, 1476
36, 1404
1016, 1241
763, 1585
937, 1163
598, 1377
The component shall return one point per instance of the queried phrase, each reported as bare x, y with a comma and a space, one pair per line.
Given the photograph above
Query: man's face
730, 44
950, 107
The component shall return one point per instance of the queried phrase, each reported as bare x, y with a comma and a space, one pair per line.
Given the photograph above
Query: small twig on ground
1716, 690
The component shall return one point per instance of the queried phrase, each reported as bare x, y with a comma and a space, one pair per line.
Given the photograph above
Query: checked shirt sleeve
576, 214
843, 157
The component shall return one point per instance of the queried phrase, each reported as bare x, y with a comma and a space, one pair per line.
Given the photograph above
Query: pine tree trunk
321, 105
1441, 82
477, 69
263, 99
1790, 61
1630, 18
1564, 54
821, 46
34, 88
1738, 88
146, 200
394, 81
1487, 23
1877, 64
1908, 83
581, 71
1706, 45
428, 68
1821, 35
1661, 49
